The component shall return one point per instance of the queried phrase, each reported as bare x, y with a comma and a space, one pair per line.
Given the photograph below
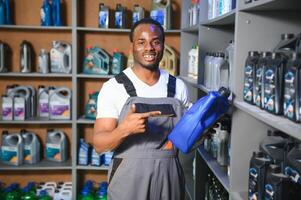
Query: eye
140, 42
157, 42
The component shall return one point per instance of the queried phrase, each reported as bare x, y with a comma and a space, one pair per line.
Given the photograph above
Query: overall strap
127, 83
171, 86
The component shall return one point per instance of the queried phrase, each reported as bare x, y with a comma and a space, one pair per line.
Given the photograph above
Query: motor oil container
32, 147
60, 104
96, 158
63, 194
249, 76
273, 84
118, 62
277, 184
210, 70
223, 140
12, 149
130, 62
86, 194
120, 16
257, 172
206, 69
25, 57
138, 14
107, 158
56, 146
291, 104
214, 142
258, 81
3, 57
103, 16
43, 102
2, 13
223, 75
43, 66
7, 107
56, 13
97, 61
84, 152
169, 61
28, 194
193, 57
194, 12
229, 52
216, 70
91, 106
161, 11
46, 12
287, 44
44, 195
60, 57
19, 108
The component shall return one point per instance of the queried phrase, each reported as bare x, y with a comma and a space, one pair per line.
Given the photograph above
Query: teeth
149, 56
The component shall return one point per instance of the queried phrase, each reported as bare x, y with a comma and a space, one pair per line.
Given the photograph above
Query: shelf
43, 165
117, 30
279, 122
36, 121
25, 27
193, 29
272, 5
225, 19
219, 172
35, 75
89, 167
82, 120
193, 82
94, 76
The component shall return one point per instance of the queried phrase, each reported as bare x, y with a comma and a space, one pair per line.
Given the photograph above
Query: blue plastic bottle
46, 19
56, 13
2, 13
9, 20
85, 194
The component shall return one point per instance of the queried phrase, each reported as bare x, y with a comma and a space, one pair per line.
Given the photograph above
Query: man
134, 117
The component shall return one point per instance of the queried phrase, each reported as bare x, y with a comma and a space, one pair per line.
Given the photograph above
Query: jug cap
275, 169
287, 36
265, 54
89, 46
296, 56
253, 53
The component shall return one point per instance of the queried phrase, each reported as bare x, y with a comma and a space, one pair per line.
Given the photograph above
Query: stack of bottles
275, 169
25, 147
89, 192
193, 62
51, 13
193, 12
159, 11
214, 190
59, 60
272, 79
37, 191
87, 155
217, 143
5, 13
217, 8
23, 103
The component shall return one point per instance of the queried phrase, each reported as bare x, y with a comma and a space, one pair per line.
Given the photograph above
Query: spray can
103, 17
25, 57
3, 57
45, 12
118, 62
138, 14
43, 62
120, 16
56, 146
162, 13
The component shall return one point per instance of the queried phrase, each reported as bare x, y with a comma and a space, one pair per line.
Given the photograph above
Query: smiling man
136, 111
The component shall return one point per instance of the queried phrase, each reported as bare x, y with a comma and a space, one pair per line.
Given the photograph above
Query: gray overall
141, 168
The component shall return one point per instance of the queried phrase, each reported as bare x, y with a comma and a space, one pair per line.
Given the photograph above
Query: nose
149, 46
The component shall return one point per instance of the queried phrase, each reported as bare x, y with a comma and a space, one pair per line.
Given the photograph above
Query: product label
269, 90
7, 108
248, 84
269, 192
27, 153
253, 181
10, 154
96, 158
83, 155
159, 16
118, 19
289, 93
44, 108
107, 158
136, 17
103, 19
53, 151
60, 109
43, 16
258, 85
56, 58
19, 108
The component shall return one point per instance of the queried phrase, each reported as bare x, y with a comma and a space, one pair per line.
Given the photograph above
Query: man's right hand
134, 122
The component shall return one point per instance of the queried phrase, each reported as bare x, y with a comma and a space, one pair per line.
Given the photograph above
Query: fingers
150, 114
132, 109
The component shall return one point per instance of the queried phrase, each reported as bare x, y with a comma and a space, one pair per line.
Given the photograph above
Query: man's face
148, 46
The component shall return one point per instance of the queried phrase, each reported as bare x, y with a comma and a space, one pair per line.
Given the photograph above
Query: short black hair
147, 21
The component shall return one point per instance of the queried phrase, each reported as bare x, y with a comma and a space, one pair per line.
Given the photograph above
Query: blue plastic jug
2, 13
46, 19
8, 19
56, 13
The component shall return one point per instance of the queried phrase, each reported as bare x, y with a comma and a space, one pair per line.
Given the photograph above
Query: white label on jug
27, 153
103, 19
19, 109
7, 108
53, 151
57, 108
44, 108
56, 58
159, 16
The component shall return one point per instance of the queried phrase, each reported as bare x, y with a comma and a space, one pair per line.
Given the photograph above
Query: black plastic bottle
257, 89
249, 76
273, 83
291, 100
257, 172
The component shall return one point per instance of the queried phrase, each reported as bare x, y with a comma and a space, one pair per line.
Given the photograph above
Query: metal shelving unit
100, 168
93, 76
35, 75
226, 19
41, 28
43, 165
36, 121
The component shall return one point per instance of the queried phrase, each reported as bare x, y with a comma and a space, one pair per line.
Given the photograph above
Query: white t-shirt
113, 95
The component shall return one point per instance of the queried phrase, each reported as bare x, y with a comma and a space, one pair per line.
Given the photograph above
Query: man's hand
134, 122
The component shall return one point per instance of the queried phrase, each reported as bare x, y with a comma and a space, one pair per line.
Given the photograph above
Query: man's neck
147, 76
